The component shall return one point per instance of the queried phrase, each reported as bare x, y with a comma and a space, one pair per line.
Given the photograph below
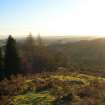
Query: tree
60, 59
29, 46
36, 56
39, 40
11, 60
43, 60
1, 66
0, 59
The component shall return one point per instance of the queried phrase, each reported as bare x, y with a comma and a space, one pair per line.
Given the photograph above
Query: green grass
31, 97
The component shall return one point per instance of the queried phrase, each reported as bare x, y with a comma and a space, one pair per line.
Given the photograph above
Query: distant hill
84, 52
65, 39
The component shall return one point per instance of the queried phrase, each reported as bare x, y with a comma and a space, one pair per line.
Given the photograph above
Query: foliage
1, 66
36, 57
12, 60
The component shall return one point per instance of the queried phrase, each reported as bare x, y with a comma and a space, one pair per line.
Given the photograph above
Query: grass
32, 98
80, 85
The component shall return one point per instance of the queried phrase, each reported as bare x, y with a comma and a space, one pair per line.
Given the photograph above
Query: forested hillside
85, 53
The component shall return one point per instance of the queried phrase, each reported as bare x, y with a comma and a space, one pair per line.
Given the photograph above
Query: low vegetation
53, 89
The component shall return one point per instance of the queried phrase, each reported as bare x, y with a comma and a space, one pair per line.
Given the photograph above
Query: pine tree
39, 40
0, 59
1, 66
11, 60
29, 45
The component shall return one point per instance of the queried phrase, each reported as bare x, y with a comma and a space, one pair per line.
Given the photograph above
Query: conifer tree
0, 59
11, 60
1, 66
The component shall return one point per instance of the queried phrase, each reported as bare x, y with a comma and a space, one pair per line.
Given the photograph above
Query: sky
52, 17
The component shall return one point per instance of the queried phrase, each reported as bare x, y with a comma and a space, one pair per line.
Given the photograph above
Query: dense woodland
29, 56
32, 55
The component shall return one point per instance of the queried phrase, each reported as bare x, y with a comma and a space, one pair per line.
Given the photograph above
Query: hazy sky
52, 17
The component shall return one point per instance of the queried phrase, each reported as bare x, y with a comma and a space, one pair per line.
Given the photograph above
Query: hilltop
60, 88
